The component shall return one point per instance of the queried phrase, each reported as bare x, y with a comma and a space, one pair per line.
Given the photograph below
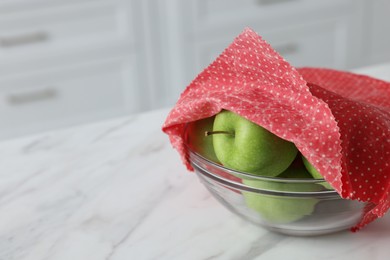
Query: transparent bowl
299, 207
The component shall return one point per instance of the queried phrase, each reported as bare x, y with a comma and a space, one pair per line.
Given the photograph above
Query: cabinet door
305, 32
313, 44
210, 14
55, 28
60, 97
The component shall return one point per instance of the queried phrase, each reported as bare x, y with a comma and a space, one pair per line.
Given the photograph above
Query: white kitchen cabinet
299, 44
72, 93
67, 62
42, 31
305, 32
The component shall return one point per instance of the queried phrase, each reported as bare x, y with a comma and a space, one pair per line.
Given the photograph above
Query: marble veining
116, 190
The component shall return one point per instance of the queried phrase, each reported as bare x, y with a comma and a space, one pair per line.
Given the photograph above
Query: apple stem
207, 133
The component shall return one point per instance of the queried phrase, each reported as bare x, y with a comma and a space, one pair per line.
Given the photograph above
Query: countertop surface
117, 190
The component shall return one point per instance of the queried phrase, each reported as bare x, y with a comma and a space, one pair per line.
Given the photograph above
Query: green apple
197, 139
315, 173
242, 145
280, 209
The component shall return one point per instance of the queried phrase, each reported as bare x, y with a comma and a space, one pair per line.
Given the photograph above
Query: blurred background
67, 62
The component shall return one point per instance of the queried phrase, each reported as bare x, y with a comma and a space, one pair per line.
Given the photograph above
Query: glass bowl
299, 207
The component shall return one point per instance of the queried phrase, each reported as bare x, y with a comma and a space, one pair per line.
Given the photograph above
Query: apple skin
250, 148
282, 209
316, 175
310, 168
198, 141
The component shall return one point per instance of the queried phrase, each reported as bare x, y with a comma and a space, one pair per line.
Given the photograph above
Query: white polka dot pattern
361, 106
254, 81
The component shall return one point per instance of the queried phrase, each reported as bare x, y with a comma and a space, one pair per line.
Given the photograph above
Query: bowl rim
246, 175
251, 176
196, 160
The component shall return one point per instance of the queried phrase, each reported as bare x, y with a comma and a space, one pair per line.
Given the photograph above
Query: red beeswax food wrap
339, 121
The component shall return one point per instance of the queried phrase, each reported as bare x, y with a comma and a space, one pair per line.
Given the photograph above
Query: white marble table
116, 190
